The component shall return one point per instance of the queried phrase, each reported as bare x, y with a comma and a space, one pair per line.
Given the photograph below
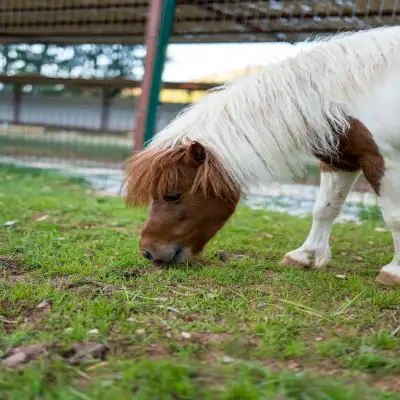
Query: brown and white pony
337, 100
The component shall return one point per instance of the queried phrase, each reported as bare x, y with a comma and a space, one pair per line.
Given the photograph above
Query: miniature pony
337, 100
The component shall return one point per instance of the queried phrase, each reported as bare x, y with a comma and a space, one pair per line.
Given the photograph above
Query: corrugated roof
197, 21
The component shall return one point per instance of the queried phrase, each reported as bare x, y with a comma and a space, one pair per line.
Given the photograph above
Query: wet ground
293, 199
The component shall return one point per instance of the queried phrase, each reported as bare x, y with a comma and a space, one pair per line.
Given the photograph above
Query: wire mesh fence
71, 69
272, 20
82, 47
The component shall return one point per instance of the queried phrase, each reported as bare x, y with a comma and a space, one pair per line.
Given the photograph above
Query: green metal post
165, 29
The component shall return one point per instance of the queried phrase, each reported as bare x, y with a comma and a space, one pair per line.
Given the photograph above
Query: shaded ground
82, 316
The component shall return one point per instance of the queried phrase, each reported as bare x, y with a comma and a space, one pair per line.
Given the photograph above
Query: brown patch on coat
357, 151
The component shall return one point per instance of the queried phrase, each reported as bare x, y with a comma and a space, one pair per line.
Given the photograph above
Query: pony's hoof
296, 259
388, 279
300, 258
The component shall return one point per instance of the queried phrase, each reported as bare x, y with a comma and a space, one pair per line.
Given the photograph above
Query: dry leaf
41, 218
96, 366
42, 305
186, 335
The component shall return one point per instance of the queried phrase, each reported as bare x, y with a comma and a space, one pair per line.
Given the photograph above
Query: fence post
105, 109
16, 104
160, 23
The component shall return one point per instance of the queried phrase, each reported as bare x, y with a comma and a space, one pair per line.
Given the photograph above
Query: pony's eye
172, 197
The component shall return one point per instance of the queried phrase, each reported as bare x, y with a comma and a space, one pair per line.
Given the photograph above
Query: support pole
159, 27
105, 109
16, 104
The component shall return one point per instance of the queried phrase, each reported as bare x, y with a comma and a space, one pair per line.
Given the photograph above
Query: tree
80, 61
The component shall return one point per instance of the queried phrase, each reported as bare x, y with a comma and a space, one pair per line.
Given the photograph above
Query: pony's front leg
390, 203
334, 188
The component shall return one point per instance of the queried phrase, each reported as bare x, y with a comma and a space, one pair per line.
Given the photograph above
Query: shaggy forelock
152, 173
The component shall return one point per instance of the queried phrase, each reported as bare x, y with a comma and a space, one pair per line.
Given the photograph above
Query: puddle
293, 199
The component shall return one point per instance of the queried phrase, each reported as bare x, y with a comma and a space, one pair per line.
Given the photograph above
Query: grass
18, 145
231, 325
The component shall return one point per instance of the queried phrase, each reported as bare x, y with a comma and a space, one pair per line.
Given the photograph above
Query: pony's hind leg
315, 251
390, 203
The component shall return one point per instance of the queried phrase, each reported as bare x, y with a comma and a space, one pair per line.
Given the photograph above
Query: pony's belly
379, 111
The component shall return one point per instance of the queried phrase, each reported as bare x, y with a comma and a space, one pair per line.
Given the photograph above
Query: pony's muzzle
164, 255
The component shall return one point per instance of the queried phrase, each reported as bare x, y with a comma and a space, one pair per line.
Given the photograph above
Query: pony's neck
264, 125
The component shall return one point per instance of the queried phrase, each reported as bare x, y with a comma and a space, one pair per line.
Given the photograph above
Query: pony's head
190, 194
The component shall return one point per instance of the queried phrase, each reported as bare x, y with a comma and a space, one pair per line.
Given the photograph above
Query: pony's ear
195, 155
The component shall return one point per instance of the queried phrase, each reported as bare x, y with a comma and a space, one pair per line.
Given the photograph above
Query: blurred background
84, 82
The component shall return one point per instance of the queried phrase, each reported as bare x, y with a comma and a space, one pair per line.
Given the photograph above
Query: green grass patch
54, 147
232, 324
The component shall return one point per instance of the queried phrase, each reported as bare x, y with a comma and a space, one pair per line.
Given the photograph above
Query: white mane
264, 124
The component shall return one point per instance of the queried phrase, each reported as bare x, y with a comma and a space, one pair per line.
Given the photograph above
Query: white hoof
389, 275
301, 258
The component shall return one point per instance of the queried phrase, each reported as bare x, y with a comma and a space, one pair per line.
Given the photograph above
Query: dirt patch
388, 384
138, 272
7, 305
83, 285
10, 265
11, 270
269, 273
262, 288
157, 351
25, 315
191, 317
213, 356
154, 351
211, 338
61, 282
226, 256
37, 314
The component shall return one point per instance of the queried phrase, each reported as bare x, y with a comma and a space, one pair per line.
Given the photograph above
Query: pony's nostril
147, 254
